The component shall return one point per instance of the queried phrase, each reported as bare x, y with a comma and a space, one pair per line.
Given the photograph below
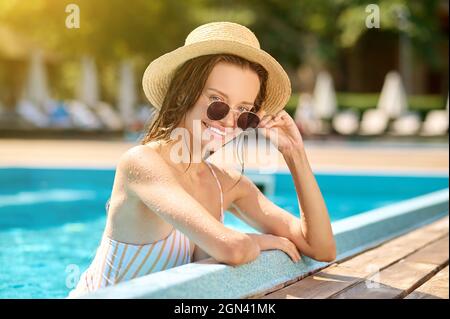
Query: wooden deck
411, 266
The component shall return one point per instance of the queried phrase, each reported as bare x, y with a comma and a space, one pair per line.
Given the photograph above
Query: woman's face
236, 86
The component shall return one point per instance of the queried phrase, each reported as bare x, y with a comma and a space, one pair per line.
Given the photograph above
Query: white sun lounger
83, 117
374, 122
33, 114
407, 124
109, 117
435, 124
346, 122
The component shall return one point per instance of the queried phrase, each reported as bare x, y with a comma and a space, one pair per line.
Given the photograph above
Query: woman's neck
186, 162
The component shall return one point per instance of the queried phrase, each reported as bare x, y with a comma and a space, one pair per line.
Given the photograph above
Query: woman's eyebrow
226, 96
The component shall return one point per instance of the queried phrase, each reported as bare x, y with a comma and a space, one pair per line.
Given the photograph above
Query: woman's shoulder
138, 153
142, 159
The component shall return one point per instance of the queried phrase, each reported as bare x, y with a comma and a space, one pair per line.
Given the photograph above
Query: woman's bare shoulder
144, 161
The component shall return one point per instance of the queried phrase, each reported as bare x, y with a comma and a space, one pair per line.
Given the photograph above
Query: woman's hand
281, 130
269, 242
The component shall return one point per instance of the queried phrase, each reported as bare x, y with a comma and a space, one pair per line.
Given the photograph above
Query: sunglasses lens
248, 120
217, 111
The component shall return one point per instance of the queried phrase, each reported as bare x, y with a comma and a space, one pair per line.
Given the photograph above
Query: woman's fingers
271, 123
279, 116
264, 120
289, 248
268, 241
271, 120
294, 250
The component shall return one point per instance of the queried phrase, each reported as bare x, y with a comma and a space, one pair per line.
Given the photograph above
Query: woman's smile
217, 131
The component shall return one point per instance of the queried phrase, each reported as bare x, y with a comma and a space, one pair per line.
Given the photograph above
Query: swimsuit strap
220, 189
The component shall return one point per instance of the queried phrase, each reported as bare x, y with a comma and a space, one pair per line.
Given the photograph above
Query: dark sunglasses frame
219, 110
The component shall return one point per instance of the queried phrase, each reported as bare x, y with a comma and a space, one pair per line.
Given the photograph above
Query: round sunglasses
219, 110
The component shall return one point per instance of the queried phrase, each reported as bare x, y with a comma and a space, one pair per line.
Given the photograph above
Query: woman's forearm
315, 221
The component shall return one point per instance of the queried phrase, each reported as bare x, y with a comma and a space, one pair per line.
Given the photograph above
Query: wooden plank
435, 288
321, 285
261, 294
390, 251
436, 254
432, 231
438, 228
367, 290
333, 279
402, 277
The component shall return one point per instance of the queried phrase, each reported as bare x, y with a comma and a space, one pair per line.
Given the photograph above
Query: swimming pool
51, 220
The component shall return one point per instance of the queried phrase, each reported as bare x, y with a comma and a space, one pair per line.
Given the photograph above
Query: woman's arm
254, 208
311, 233
315, 222
150, 179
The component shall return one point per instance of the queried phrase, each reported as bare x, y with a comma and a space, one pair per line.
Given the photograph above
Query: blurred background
358, 71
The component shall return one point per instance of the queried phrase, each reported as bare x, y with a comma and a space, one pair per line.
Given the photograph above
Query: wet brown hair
186, 87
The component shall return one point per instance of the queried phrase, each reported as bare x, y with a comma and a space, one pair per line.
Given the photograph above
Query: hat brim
158, 74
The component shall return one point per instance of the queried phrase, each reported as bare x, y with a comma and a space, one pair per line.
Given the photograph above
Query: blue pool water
51, 220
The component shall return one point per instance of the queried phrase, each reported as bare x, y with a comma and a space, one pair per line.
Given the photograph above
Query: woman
166, 211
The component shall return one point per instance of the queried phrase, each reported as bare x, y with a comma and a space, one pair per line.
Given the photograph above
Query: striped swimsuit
116, 261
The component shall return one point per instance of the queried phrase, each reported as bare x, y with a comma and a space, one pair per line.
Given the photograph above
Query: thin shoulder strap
220, 189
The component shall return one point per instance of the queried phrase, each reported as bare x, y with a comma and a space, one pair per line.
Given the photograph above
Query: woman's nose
230, 119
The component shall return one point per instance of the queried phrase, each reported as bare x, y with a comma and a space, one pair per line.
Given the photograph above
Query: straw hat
214, 38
